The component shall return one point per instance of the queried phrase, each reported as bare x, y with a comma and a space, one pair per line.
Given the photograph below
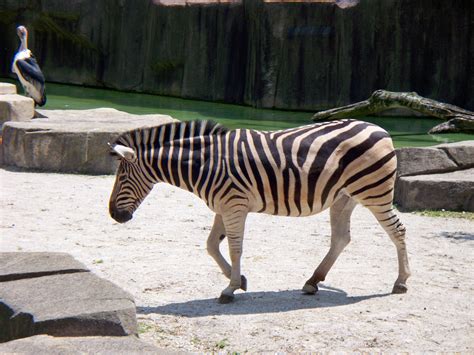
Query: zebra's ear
124, 152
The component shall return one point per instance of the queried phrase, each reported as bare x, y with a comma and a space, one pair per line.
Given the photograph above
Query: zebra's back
301, 171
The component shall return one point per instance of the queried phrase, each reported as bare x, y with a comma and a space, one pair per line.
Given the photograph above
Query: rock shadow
260, 302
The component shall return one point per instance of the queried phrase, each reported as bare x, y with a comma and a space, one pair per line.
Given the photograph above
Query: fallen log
457, 119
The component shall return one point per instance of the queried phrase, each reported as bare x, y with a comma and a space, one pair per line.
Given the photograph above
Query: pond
405, 131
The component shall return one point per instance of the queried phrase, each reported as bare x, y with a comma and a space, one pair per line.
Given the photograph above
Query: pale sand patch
160, 258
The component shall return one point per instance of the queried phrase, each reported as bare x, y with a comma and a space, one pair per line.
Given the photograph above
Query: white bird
27, 69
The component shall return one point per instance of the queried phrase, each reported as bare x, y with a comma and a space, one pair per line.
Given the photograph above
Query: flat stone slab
62, 304
7, 88
17, 266
417, 161
462, 153
450, 191
15, 107
47, 345
436, 159
72, 141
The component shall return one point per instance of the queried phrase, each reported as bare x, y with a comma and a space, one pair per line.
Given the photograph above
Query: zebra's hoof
310, 289
243, 283
399, 288
224, 299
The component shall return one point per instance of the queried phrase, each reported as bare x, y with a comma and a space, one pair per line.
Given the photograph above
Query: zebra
293, 172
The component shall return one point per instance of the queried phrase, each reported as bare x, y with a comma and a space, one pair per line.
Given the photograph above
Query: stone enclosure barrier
300, 55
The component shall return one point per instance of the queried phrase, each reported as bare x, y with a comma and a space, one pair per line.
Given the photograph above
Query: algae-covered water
405, 131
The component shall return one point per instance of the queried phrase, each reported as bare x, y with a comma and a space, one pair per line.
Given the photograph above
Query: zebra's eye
122, 178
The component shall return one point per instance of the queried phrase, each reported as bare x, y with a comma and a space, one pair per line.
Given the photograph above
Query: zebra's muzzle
120, 216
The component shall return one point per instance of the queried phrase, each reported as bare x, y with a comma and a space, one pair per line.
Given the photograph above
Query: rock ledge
51, 293
70, 141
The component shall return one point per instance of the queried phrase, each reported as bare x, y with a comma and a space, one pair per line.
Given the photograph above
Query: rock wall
307, 55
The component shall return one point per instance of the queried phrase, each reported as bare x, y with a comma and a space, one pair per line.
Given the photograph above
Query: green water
405, 131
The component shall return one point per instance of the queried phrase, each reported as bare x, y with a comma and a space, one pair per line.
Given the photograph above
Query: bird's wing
31, 71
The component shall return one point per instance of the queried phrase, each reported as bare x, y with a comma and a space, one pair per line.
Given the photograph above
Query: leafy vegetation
144, 327
221, 344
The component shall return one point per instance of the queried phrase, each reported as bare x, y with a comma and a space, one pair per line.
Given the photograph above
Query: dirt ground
160, 258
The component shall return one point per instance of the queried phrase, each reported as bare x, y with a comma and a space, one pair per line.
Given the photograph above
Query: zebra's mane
196, 128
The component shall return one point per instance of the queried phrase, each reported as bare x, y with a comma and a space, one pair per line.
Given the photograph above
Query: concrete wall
306, 55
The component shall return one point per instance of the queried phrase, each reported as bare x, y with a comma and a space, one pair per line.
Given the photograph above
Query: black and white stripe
293, 172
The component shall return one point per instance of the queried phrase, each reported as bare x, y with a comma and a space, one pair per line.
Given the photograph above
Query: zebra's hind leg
216, 236
396, 231
340, 215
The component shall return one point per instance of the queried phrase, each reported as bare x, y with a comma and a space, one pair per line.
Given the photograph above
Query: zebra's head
130, 186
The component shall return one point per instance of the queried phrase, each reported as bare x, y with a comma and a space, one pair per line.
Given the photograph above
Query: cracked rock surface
52, 293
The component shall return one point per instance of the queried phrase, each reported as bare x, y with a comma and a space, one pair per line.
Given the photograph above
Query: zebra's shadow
259, 302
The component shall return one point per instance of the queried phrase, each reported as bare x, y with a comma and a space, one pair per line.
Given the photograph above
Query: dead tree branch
457, 119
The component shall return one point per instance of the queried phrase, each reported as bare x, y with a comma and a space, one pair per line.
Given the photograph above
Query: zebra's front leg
216, 236
234, 226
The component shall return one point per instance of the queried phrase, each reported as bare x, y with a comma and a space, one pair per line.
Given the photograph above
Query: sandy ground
160, 258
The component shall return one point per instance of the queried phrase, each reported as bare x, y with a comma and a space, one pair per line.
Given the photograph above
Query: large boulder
60, 299
71, 140
461, 153
415, 161
452, 191
439, 177
437, 159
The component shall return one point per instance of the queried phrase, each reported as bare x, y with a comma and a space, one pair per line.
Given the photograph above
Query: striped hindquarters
300, 171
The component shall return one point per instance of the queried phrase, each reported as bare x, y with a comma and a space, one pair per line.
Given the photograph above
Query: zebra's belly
305, 212
286, 202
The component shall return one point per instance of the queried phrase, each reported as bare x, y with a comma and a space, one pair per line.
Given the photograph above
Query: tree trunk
458, 119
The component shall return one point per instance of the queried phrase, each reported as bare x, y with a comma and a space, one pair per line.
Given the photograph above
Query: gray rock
450, 191
16, 266
71, 140
462, 153
416, 161
7, 88
48, 345
77, 304
16, 108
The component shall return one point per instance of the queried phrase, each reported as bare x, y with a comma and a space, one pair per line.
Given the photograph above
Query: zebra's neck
183, 154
